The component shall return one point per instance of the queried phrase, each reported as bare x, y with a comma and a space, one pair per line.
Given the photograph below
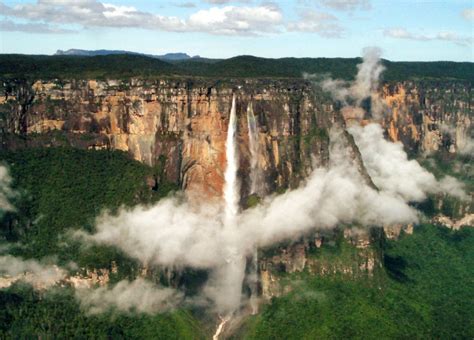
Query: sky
405, 30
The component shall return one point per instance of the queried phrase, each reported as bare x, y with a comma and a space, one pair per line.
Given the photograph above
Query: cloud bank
227, 20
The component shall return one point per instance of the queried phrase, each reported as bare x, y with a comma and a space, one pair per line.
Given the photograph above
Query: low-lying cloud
387, 163
39, 275
129, 296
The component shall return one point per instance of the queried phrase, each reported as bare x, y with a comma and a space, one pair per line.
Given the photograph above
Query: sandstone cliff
183, 123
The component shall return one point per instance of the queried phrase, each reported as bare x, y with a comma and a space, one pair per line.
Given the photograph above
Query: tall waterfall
228, 277
254, 150
231, 190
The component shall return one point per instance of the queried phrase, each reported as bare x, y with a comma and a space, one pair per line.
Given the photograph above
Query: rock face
430, 117
356, 256
183, 123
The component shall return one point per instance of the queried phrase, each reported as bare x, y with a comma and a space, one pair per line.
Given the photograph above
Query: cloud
176, 234
228, 20
324, 24
127, 297
345, 5
236, 20
10, 26
185, 4
387, 163
6, 192
351, 94
402, 33
468, 14
40, 275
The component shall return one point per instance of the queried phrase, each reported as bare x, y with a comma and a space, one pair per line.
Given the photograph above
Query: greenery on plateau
13, 66
425, 292
64, 188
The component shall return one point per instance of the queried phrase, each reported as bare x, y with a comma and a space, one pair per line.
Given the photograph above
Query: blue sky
405, 30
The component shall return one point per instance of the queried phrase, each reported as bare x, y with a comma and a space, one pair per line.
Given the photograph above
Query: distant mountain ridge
91, 53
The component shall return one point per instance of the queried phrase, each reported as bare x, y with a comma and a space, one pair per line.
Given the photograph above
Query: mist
127, 297
40, 275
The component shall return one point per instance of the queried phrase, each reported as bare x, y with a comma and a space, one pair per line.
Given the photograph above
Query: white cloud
38, 274
324, 24
402, 33
346, 5
10, 26
228, 20
387, 164
236, 20
468, 14
135, 296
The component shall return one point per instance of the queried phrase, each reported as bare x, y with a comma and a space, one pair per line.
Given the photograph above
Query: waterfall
231, 190
254, 150
230, 275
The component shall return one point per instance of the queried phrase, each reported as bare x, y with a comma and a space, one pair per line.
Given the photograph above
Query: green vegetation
61, 189
14, 66
425, 292
25, 314
65, 188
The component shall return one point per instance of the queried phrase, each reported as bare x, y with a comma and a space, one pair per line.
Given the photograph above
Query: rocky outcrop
466, 221
351, 253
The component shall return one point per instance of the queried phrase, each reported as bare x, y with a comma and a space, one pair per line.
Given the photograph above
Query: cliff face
430, 117
182, 125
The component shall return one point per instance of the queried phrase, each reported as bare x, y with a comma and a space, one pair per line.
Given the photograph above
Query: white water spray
231, 190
